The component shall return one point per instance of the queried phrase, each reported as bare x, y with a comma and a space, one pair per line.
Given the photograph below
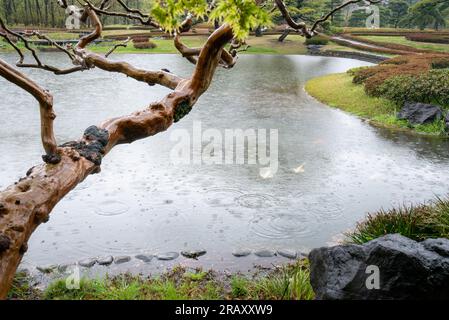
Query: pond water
142, 202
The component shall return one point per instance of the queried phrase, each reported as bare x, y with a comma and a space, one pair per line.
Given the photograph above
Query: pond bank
339, 91
277, 283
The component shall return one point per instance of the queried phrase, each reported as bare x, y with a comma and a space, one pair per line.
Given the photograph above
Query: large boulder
406, 270
420, 113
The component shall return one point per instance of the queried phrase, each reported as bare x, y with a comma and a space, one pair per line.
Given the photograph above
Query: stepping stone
105, 261
87, 263
241, 253
265, 253
145, 258
194, 254
168, 256
122, 259
286, 253
47, 269
62, 268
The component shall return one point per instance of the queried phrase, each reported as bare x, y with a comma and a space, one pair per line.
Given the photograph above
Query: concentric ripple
111, 208
257, 201
282, 226
222, 197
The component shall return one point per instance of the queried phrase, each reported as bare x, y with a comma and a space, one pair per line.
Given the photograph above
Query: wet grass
415, 222
338, 91
287, 282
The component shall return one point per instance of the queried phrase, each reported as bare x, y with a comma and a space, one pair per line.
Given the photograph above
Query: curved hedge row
417, 78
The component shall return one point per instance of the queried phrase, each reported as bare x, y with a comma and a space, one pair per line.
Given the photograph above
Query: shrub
317, 40
425, 37
145, 45
138, 39
430, 87
410, 65
440, 63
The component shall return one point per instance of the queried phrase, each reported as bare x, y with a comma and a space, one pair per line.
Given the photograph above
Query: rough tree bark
28, 203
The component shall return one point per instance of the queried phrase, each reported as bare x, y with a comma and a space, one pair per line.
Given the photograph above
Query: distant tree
426, 13
397, 10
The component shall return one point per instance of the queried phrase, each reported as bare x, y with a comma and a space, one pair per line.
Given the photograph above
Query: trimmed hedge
430, 87
418, 78
145, 45
425, 37
317, 40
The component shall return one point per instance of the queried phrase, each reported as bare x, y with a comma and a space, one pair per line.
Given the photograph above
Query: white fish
266, 173
300, 169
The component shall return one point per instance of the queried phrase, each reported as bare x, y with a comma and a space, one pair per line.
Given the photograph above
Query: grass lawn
287, 282
338, 91
404, 41
418, 223
258, 45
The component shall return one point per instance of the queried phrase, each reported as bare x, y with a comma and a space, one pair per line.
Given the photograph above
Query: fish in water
300, 169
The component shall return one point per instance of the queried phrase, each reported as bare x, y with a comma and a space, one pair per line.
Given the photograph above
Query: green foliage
426, 13
417, 223
431, 87
241, 15
239, 286
170, 13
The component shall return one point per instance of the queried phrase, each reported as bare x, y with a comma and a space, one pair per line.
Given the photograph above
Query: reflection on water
141, 202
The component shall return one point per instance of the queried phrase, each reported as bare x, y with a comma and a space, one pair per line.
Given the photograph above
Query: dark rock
314, 48
47, 269
145, 258
105, 261
420, 113
167, 256
62, 268
290, 254
122, 259
194, 254
265, 253
241, 253
88, 263
407, 270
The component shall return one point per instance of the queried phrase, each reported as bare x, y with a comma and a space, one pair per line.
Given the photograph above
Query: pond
333, 167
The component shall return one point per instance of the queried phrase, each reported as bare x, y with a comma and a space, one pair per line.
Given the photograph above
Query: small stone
290, 254
62, 268
47, 269
168, 256
194, 254
87, 263
241, 253
122, 259
105, 261
144, 257
265, 253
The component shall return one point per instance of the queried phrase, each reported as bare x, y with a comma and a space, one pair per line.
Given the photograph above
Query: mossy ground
281, 283
338, 91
